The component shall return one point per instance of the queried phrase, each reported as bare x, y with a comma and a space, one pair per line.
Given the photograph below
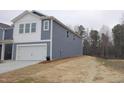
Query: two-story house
37, 36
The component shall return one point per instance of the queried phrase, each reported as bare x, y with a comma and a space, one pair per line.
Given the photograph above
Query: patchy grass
114, 64
26, 80
77, 69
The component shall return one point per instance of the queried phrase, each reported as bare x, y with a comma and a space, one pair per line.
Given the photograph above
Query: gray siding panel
8, 52
64, 46
0, 50
8, 34
1, 34
14, 47
45, 34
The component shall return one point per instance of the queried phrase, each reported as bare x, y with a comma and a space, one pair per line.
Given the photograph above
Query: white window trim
23, 28
31, 28
44, 25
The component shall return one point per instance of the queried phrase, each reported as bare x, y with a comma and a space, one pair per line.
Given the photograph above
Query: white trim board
40, 41
51, 37
30, 44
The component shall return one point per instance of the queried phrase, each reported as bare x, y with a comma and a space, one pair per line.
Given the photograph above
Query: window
67, 34
46, 25
21, 28
33, 27
27, 28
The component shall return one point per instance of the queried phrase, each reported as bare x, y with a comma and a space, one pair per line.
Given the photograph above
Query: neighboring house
6, 41
37, 36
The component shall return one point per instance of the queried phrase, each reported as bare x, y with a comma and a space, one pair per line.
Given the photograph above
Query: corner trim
51, 37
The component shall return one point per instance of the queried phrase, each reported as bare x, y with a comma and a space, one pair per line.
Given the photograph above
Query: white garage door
31, 52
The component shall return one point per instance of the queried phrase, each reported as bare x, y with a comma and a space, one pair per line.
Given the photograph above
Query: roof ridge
38, 13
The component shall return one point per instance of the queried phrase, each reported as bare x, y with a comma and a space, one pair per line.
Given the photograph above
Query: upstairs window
27, 28
46, 25
21, 28
33, 27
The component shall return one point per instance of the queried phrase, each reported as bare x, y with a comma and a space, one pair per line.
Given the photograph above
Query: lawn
77, 69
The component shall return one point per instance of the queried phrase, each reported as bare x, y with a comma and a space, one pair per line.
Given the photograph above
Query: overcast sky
88, 18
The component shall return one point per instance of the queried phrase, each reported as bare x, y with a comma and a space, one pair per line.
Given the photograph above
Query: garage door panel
35, 52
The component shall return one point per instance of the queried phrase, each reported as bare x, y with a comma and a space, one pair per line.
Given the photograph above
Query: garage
31, 52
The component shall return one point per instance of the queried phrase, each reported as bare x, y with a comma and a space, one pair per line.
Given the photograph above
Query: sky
92, 19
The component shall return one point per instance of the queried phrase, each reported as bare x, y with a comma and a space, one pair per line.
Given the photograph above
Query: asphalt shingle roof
37, 13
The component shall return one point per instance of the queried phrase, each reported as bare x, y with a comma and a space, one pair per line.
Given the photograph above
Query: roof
2, 25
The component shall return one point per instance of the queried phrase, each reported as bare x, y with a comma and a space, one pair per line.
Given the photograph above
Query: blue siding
14, 47
8, 34
45, 34
0, 50
1, 34
64, 46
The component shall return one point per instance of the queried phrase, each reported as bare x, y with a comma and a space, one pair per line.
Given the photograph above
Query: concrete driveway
13, 65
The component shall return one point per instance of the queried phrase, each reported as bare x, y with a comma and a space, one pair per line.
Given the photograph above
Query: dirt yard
83, 69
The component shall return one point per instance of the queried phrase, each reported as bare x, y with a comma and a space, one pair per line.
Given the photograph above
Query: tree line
100, 43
